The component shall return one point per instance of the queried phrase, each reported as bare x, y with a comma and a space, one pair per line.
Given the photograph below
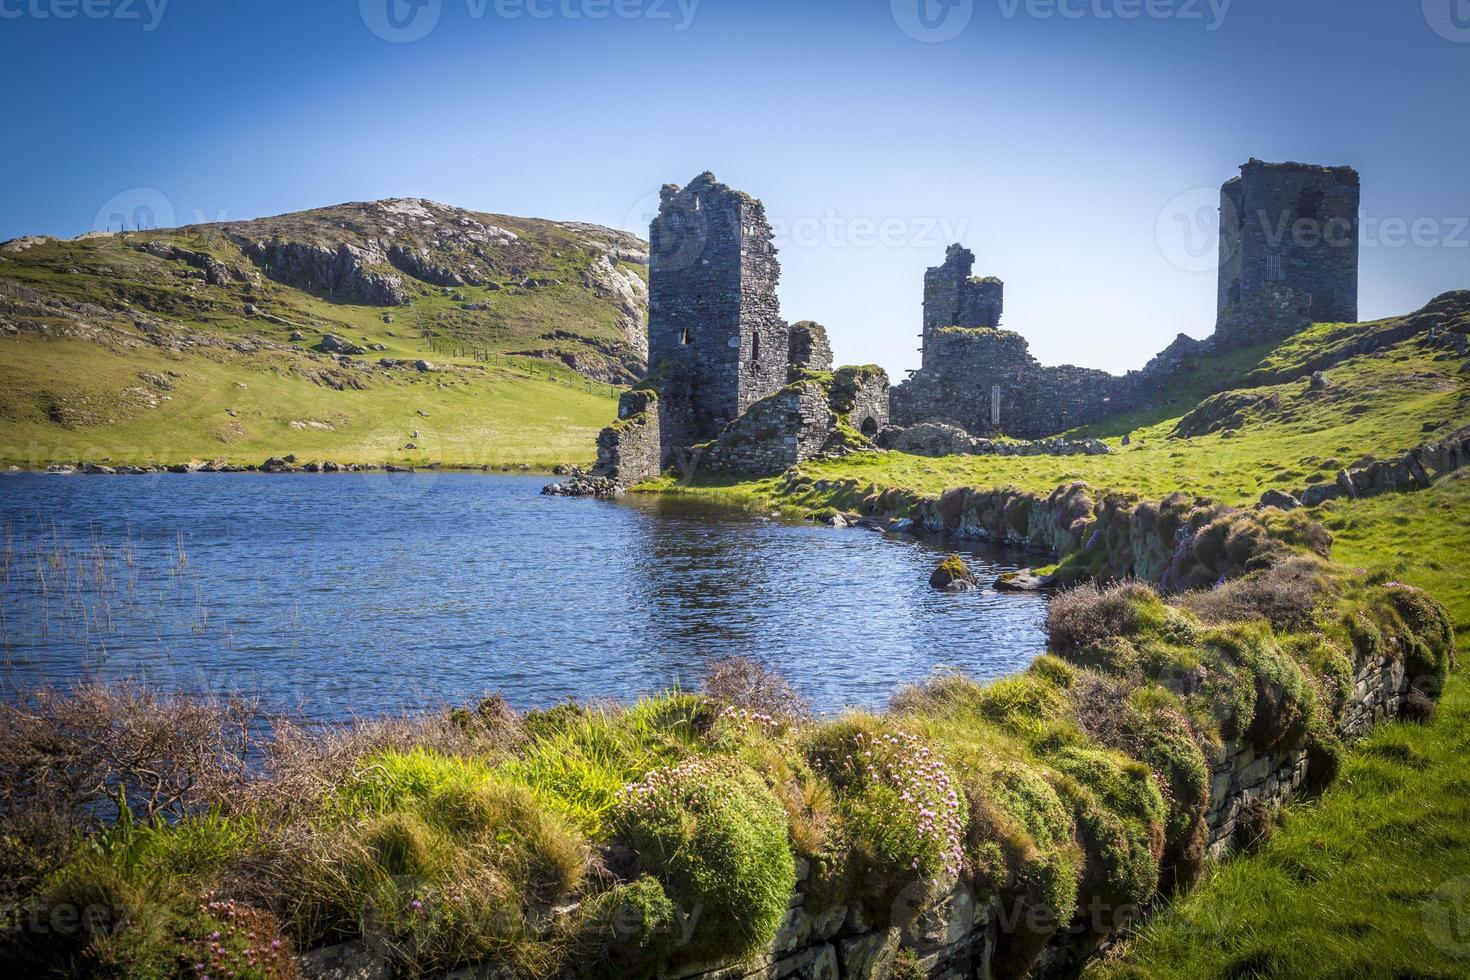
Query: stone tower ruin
731, 387
716, 340
954, 298
1288, 250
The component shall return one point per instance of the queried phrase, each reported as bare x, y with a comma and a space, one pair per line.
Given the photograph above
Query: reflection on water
367, 593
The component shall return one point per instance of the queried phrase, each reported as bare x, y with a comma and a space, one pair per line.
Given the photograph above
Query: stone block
870, 957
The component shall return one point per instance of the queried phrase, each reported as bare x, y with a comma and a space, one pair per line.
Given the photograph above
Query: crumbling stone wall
630, 449
954, 298
1290, 225
801, 421
808, 348
969, 370
861, 395
780, 431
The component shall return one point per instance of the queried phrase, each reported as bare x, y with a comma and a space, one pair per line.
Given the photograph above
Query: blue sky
1070, 143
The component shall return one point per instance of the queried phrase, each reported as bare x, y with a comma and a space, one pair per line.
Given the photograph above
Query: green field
509, 412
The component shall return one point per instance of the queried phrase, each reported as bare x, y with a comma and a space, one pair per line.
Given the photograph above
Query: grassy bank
1368, 879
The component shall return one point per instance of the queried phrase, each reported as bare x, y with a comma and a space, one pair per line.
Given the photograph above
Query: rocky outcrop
1225, 412
418, 263
333, 344
346, 272
216, 273
1414, 470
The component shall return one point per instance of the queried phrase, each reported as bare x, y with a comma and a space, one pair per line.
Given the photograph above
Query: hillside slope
208, 341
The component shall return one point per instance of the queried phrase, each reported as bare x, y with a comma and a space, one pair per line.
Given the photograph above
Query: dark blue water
362, 594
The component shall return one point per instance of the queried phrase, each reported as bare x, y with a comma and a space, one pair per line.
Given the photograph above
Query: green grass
513, 411
1377, 406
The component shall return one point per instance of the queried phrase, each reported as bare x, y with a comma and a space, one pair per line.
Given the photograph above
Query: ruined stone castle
1288, 258
733, 387
1288, 250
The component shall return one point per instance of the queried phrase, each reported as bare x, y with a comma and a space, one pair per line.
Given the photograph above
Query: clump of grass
715, 838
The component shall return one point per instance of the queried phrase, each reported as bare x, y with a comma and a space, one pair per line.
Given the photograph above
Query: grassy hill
206, 342
1370, 879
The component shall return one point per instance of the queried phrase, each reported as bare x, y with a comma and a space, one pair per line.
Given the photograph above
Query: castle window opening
1309, 203
870, 427
755, 347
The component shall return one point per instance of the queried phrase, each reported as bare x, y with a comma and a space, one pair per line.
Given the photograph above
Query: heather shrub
1087, 615
1287, 595
67, 757
715, 838
1149, 723
1284, 705
1296, 529
1426, 634
744, 683
1417, 707
1254, 826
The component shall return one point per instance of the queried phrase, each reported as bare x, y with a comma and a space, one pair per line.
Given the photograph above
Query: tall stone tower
716, 340
1288, 248
954, 298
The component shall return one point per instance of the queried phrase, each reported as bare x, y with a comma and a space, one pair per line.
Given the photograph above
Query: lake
344, 594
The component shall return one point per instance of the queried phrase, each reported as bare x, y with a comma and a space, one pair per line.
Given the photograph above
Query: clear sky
1075, 145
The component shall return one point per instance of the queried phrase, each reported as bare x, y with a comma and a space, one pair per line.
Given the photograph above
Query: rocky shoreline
289, 463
